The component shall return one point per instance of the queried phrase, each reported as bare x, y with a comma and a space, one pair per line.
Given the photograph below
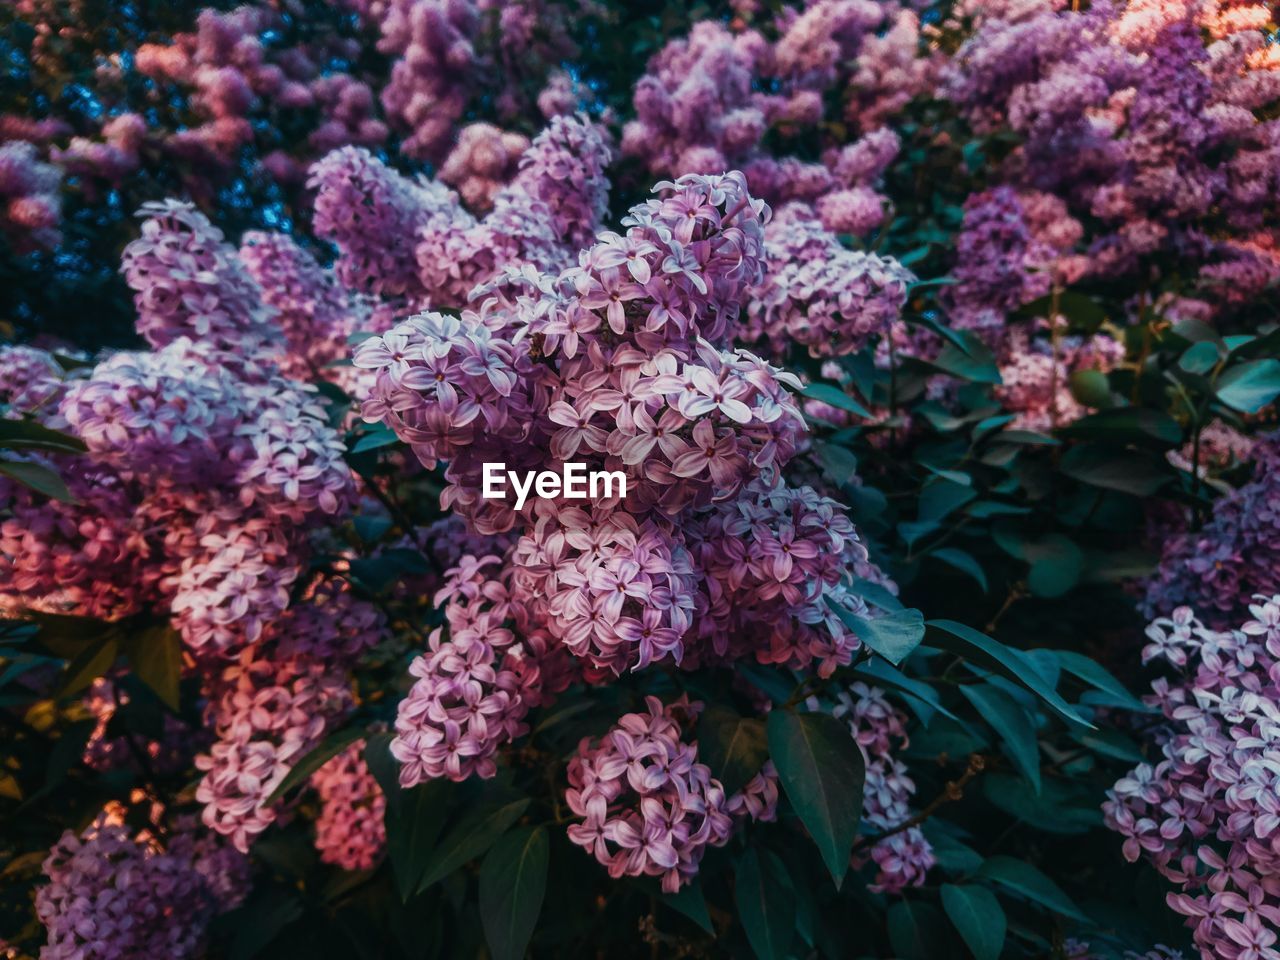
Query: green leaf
1201, 357
1126, 471
838, 464
1092, 389
766, 903
413, 828
1011, 723
155, 655
1111, 743
471, 837
941, 498
1098, 677
979, 918
513, 884
88, 665
329, 748
1056, 564
875, 594
1250, 386
835, 397
260, 921
690, 901
822, 772
30, 435
980, 649
975, 364
38, 478
374, 440
1083, 311
915, 931
962, 561
733, 746
1022, 878
952, 854
887, 675
1127, 425
893, 635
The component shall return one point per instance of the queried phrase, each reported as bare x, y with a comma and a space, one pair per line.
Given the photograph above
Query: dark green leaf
766, 903
887, 675
375, 440
962, 561
916, 931
1011, 723
1092, 389
979, 918
690, 901
155, 655
875, 594
38, 478
822, 772
1097, 676
941, 498
981, 650
30, 435
513, 884
1111, 743
1023, 878
1201, 357
329, 748
412, 831
1250, 386
733, 746
88, 665
835, 397
1127, 471
893, 635
1056, 565
470, 838
1127, 425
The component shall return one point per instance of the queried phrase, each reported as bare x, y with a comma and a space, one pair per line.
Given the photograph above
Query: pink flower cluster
411, 239
820, 294
1216, 569
1131, 117
648, 807
114, 895
709, 99
616, 362
30, 199
474, 687
448, 52
903, 859
350, 830
1207, 815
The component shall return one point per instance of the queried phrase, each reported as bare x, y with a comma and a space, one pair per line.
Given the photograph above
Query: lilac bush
856, 312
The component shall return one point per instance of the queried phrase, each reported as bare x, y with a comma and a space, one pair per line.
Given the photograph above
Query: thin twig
954, 790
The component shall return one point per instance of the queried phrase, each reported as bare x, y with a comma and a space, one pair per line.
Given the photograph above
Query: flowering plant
928, 350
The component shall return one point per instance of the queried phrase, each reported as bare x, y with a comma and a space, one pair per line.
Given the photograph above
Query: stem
953, 791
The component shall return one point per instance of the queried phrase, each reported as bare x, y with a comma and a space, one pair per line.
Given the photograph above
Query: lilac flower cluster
709, 99
30, 202
901, 860
1206, 815
474, 687
1217, 569
350, 830
648, 807
114, 895
411, 239
820, 294
1144, 117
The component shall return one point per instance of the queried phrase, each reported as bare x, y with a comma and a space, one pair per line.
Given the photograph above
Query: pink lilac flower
113, 895
350, 831
647, 806
1206, 814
